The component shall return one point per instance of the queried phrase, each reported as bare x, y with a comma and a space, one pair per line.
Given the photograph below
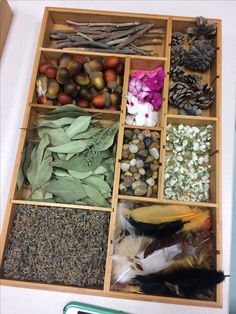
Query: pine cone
180, 95
193, 80
200, 56
177, 73
178, 55
205, 97
177, 39
203, 29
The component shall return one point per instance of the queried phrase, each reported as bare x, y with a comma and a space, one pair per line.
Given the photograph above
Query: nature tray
54, 19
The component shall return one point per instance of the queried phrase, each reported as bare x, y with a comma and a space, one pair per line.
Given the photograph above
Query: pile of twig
125, 38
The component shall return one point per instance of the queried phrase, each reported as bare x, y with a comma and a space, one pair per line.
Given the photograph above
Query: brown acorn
64, 60
44, 100
82, 103
114, 99
70, 88
44, 66
110, 75
84, 93
80, 58
95, 65
63, 75
120, 68
98, 101
53, 89
111, 62
97, 81
51, 72
64, 99
82, 79
119, 80
74, 67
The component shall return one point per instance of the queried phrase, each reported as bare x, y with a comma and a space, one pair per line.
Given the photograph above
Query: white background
16, 66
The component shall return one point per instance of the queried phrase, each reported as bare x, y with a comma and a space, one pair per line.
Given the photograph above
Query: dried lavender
57, 245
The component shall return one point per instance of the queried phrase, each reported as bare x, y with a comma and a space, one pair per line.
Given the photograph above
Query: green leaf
67, 190
69, 156
95, 195
29, 149
39, 194
98, 183
61, 173
56, 123
79, 175
21, 177
56, 136
78, 163
69, 148
88, 134
100, 170
79, 125
61, 156
40, 170
68, 108
108, 139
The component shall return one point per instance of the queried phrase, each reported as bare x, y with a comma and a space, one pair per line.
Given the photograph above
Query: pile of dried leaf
73, 161
58, 245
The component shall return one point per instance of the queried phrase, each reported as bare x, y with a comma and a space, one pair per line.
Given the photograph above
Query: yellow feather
157, 214
131, 289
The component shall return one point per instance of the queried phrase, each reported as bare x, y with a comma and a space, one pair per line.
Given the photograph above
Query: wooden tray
54, 18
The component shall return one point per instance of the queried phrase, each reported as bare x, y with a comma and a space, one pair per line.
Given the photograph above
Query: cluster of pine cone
188, 93
201, 50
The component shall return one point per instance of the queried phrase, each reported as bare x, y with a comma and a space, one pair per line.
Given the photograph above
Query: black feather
185, 282
161, 230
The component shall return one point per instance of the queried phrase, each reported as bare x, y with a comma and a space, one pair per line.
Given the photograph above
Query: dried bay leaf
60, 173
95, 195
78, 126
98, 183
40, 170
80, 175
79, 163
56, 136
88, 134
108, 139
100, 170
56, 123
21, 177
67, 190
68, 108
69, 148
69, 156
29, 149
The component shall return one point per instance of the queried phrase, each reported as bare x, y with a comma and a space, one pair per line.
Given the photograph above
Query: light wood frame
53, 19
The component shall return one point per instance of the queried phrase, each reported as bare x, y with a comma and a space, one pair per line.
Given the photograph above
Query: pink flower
155, 79
155, 99
135, 86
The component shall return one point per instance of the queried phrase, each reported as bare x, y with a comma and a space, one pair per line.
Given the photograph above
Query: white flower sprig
187, 169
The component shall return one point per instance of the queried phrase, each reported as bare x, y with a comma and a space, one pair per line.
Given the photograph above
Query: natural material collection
187, 168
57, 246
73, 159
140, 163
188, 93
165, 250
80, 80
121, 38
144, 97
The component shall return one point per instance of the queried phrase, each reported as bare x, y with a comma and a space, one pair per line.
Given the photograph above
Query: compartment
138, 112
56, 20
137, 242
140, 163
79, 86
65, 252
208, 77
193, 159
106, 126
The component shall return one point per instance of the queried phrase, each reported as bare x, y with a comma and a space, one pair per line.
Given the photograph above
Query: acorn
114, 107
110, 75
70, 88
95, 65
84, 93
54, 62
114, 99
44, 66
98, 101
82, 103
63, 75
64, 60
53, 88
80, 58
119, 80
111, 62
97, 81
82, 79
120, 68
64, 99
51, 72
44, 100
74, 67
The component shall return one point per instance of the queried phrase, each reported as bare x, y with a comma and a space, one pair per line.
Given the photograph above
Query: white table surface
16, 66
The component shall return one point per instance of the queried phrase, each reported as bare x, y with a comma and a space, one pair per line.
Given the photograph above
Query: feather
159, 244
194, 218
122, 223
182, 283
156, 230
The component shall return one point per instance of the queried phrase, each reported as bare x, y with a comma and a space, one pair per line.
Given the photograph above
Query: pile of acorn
78, 79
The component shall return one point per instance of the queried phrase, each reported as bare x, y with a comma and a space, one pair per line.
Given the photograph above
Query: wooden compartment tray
54, 19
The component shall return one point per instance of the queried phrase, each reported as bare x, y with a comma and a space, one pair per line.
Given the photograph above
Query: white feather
122, 223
